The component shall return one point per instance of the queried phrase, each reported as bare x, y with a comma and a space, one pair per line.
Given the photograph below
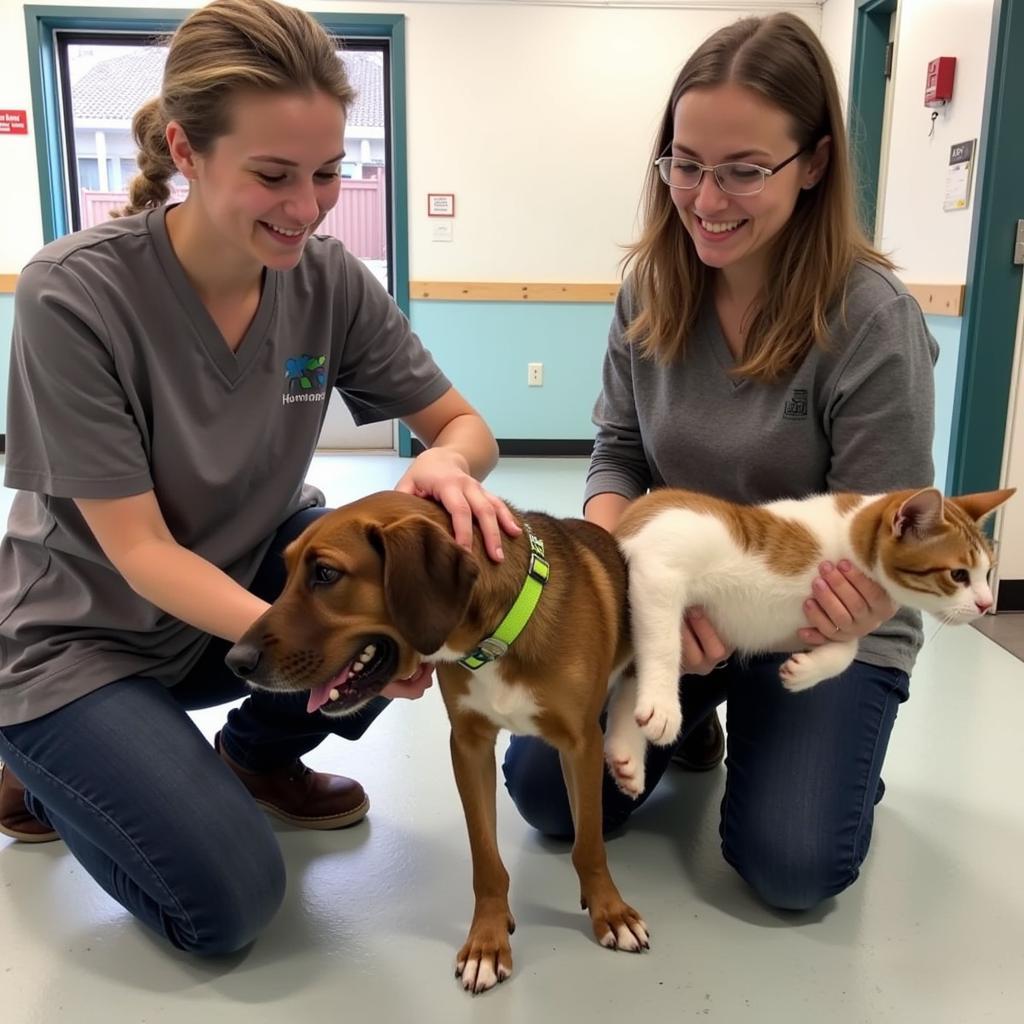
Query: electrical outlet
535, 375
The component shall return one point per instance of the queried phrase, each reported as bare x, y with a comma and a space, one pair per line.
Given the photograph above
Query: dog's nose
243, 659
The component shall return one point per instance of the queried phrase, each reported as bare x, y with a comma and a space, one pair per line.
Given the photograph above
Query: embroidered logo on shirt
796, 407
305, 379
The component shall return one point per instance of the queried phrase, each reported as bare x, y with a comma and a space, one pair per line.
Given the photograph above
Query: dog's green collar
537, 574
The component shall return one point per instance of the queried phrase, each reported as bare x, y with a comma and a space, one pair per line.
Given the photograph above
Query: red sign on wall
13, 122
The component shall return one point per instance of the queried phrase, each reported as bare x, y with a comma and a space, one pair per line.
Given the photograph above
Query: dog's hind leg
486, 957
616, 924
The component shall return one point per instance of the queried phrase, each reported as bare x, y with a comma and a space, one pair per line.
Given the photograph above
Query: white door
340, 432
1010, 525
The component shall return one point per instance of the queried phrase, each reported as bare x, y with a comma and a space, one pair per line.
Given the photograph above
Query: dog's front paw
486, 958
618, 926
660, 721
801, 672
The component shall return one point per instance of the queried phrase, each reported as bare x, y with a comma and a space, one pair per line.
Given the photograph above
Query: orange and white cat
751, 568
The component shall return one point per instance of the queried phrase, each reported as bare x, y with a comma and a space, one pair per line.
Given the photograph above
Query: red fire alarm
938, 88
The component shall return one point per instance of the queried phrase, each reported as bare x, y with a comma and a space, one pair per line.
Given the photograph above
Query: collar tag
493, 647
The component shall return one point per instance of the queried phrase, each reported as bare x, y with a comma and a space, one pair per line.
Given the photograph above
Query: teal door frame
40, 24
984, 372
867, 100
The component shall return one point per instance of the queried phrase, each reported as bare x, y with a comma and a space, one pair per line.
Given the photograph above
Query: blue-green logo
305, 379
303, 373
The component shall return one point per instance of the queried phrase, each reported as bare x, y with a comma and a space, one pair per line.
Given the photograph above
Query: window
89, 172
123, 171
105, 78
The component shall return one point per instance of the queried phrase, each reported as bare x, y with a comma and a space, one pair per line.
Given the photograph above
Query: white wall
837, 38
928, 243
539, 117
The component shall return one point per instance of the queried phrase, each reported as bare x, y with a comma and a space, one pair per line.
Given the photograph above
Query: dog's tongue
322, 694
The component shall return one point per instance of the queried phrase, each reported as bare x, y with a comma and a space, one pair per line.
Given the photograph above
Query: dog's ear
427, 580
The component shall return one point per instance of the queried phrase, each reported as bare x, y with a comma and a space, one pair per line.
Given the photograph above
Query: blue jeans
803, 775
149, 809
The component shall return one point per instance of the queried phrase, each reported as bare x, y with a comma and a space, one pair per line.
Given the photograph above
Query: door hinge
889, 49
1018, 246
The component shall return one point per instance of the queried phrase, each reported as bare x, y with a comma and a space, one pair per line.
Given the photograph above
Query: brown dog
379, 587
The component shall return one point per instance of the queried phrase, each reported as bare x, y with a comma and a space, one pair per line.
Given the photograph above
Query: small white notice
958, 177
440, 204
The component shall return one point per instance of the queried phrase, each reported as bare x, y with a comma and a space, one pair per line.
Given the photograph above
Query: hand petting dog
442, 474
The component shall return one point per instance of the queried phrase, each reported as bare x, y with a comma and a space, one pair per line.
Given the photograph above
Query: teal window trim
40, 24
984, 372
42, 20
866, 106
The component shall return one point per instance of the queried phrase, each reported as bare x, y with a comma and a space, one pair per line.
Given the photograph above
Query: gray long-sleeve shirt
858, 416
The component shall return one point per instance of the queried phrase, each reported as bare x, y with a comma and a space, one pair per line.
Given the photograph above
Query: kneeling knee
541, 811
235, 903
535, 790
792, 880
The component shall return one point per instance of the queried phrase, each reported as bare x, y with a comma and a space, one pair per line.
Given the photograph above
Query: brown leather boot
704, 748
15, 819
301, 796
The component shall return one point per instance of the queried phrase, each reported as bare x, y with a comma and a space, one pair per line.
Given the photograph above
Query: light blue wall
484, 347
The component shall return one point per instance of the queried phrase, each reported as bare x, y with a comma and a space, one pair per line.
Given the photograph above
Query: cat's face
934, 554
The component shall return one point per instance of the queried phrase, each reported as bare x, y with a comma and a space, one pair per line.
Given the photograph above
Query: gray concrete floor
932, 932
1007, 629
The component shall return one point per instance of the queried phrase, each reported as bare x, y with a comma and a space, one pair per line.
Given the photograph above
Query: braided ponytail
149, 188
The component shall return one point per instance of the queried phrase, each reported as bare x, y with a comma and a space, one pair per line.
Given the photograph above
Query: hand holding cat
845, 605
703, 649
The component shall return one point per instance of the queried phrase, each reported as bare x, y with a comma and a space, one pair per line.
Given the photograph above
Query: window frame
42, 23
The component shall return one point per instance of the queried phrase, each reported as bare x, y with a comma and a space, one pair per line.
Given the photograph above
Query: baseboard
1011, 596
535, 447
523, 446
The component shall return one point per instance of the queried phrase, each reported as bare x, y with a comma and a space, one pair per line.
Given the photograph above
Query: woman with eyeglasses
762, 348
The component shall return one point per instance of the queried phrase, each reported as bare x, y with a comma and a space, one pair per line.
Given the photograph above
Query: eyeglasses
737, 179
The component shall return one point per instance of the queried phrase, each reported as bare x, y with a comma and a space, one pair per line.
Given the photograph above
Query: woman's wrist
605, 510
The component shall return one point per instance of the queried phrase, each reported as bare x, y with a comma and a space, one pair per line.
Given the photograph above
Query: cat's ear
919, 515
977, 506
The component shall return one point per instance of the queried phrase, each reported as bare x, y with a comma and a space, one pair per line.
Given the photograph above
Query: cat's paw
626, 769
659, 721
801, 671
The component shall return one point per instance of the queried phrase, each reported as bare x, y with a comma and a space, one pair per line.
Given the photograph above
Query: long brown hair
781, 59
219, 50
